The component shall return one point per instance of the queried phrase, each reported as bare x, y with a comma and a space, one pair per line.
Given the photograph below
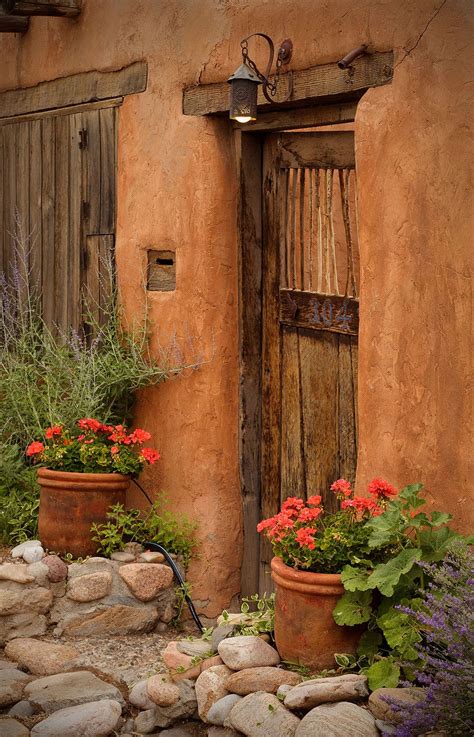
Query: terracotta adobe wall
177, 189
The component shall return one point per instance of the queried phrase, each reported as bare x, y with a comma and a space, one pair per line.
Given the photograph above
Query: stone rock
337, 720
145, 721
222, 732
134, 548
234, 618
42, 658
57, 568
12, 728
94, 719
173, 658
12, 684
90, 587
220, 710
162, 691
96, 564
262, 715
18, 550
139, 697
379, 707
8, 664
185, 707
385, 728
247, 651
69, 689
33, 553
210, 688
194, 648
167, 613
220, 633
37, 600
122, 557
22, 709
146, 581
150, 556
13, 572
324, 690
191, 729
28, 624
40, 573
283, 691
117, 620
267, 679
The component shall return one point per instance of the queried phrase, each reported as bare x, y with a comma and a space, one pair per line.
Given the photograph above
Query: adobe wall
177, 187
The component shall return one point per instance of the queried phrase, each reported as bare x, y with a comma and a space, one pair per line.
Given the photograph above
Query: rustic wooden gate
309, 320
57, 195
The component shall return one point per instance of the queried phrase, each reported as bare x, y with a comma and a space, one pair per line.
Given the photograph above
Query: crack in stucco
428, 23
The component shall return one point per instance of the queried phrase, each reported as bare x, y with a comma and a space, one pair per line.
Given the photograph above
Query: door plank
36, 225
48, 196
293, 476
107, 119
321, 150
346, 413
10, 194
61, 225
2, 196
91, 162
319, 370
74, 224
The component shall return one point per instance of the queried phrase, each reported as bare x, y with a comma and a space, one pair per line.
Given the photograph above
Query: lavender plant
446, 651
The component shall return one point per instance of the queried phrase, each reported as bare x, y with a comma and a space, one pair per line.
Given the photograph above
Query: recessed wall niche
161, 271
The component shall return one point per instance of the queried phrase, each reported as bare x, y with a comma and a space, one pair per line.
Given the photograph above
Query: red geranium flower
53, 431
150, 455
304, 537
342, 487
139, 436
34, 448
88, 423
381, 489
315, 500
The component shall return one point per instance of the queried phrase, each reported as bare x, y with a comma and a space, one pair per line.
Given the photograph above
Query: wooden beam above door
64, 8
315, 83
13, 24
74, 90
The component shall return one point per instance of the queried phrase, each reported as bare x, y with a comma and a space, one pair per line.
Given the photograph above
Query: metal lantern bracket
284, 56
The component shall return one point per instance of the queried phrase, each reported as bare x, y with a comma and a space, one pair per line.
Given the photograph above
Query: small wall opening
161, 271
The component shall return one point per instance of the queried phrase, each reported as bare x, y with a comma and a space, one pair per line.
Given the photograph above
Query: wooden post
13, 24
65, 8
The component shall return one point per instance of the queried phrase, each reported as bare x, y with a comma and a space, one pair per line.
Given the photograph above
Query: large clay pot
305, 631
71, 502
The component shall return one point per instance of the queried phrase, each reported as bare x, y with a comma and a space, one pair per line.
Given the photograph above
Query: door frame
249, 144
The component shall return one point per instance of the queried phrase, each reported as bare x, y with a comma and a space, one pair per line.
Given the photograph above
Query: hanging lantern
243, 94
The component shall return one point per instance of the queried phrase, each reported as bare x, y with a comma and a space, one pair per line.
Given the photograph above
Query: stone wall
95, 597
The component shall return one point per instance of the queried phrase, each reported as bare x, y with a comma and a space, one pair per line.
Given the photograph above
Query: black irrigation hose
174, 567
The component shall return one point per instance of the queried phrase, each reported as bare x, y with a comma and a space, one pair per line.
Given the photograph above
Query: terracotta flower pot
71, 502
305, 631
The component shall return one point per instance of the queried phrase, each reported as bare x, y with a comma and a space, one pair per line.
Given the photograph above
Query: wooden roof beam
309, 85
64, 8
13, 24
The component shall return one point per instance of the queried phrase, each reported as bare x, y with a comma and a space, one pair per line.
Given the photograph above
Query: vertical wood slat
107, 120
292, 461
346, 412
311, 229
2, 224
61, 224
294, 185
91, 162
48, 196
285, 173
302, 173
36, 224
9, 193
74, 224
22, 214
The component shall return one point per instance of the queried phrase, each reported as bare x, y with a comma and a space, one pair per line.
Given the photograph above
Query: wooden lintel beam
325, 80
74, 90
308, 117
64, 8
13, 24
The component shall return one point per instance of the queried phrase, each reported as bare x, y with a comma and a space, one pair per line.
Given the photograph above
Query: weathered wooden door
310, 320
57, 207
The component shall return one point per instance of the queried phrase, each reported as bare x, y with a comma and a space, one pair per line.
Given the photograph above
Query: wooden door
310, 320
57, 208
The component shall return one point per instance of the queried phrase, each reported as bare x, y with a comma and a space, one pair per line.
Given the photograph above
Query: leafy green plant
258, 616
158, 525
19, 497
375, 590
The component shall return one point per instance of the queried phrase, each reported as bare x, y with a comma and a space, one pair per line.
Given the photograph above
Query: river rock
145, 721
317, 691
139, 696
174, 658
162, 691
94, 719
220, 633
69, 689
146, 581
22, 709
116, 620
18, 550
37, 600
42, 658
185, 707
247, 651
382, 710
40, 572
194, 648
267, 679
262, 715
122, 557
33, 553
149, 556
210, 688
14, 572
27, 624
12, 684
220, 710
337, 720
57, 568
90, 587
222, 732
12, 728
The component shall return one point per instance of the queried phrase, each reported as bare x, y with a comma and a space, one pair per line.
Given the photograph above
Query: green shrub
19, 497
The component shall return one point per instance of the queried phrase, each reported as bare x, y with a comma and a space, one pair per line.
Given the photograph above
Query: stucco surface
176, 188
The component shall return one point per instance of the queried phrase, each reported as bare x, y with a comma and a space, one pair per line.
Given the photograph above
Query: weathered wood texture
305, 118
13, 24
323, 81
322, 151
74, 90
313, 311
65, 8
57, 187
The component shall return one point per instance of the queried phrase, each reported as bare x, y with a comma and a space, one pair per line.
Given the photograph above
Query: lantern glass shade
243, 95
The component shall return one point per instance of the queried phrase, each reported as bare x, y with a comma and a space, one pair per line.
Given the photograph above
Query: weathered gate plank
346, 413
36, 229
48, 196
293, 476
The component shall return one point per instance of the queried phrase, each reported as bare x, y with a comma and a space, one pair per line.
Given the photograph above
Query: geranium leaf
354, 607
400, 633
386, 575
355, 579
383, 674
434, 543
369, 644
383, 528
410, 493
440, 518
